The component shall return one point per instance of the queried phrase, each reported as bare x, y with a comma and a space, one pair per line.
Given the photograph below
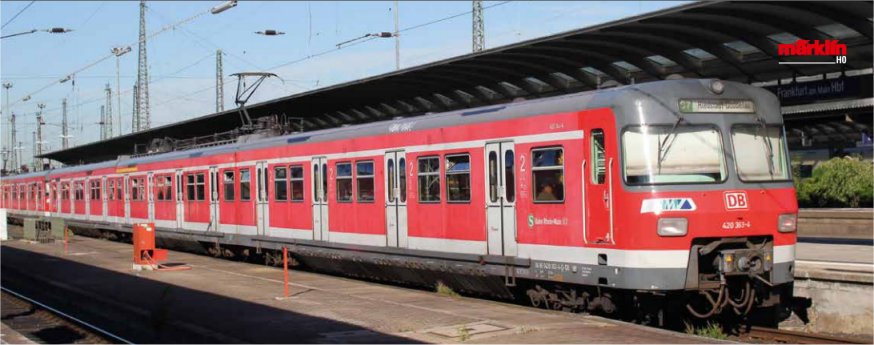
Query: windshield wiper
769, 148
664, 147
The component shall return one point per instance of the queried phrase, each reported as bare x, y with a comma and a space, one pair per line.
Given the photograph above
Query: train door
599, 189
320, 198
103, 198
150, 195
262, 207
126, 190
214, 209
396, 198
86, 193
501, 198
180, 206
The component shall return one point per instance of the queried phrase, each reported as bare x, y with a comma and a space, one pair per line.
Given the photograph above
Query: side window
201, 186
189, 186
599, 164
391, 180
280, 180
458, 178
364, 177
135, 189
168, 187
159, 191
296, 177
548, 174
493, 176
402, 181
509, 176
110, 189
119, 189
229, 185
317, 178
245, 185
344, 182
429, 179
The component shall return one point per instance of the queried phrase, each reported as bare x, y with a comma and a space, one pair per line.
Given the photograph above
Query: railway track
44, 324
782, 336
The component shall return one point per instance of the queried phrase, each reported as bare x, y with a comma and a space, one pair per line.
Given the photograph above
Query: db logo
735, 200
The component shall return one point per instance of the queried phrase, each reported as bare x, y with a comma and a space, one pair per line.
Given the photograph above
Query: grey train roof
659, 98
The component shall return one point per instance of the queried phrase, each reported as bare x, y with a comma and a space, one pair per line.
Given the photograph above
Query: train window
228, 185
493, 176
402, 180
509, 176
80, 191
137, 187
763, 157
391, 180
317, 178
167, 187
429, 179
295, 173
245, 185
458, 178
189, 187
119, 190
672, 154
324, 182
95, 190
599, 164
280, 180
364, 179
344, 182
548, 174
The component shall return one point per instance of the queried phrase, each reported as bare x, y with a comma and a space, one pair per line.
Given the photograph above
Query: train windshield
759, 153
672, 154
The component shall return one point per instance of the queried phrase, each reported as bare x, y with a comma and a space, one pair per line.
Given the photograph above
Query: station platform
835, 262
226, 301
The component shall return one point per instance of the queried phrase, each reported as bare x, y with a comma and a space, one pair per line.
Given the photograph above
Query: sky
182, 58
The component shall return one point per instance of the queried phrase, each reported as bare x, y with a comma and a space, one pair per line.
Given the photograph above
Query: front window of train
672, 155
760, 153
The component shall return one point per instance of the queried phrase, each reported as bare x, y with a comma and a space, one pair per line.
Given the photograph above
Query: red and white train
598, 199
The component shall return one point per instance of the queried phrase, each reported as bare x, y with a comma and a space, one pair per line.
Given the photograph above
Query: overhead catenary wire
149, 37
17, 14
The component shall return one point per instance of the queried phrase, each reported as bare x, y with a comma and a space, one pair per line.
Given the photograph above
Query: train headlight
787, 222
673, 226
717, 86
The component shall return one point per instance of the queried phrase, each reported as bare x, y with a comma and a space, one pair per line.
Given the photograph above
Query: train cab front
705, 171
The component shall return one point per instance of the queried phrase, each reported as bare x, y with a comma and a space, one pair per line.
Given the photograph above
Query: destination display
741, 106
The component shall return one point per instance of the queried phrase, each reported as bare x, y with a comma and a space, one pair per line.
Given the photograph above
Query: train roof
659, 94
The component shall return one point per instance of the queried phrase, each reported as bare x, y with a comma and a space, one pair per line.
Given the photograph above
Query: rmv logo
735, 200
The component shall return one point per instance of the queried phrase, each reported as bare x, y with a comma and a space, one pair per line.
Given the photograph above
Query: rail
782, 336
68, 317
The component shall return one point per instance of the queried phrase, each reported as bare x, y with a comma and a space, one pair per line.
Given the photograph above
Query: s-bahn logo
736, 200
813, 49
667, 204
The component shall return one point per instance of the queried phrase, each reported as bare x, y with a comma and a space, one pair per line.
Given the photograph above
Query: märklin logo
813, 49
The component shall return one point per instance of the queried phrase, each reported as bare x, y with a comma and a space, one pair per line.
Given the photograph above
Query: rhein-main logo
812, 49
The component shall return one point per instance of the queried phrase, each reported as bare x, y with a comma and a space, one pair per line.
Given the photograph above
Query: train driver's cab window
344, 182
245, 185
672, 154
280, 181
296, 174
458, 178
429, 179
599, 161
547, 168
229, 182
364, 177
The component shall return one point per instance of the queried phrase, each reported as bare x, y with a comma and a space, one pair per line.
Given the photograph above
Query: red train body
656, 187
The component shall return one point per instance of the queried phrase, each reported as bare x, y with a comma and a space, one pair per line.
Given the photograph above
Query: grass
443, 289
463, 333
711, 330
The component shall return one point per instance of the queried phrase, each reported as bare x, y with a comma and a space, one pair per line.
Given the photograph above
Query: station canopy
731, 40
